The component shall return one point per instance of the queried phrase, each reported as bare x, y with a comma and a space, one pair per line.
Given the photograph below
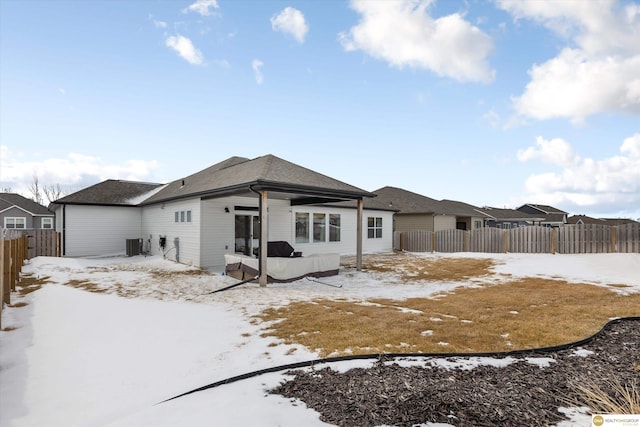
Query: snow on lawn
71, 357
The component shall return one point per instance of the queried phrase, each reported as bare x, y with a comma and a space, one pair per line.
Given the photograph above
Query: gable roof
238, 175
9, 200
584, 219
112, 192
509, 214
407, 202
546, 209
233, 176
463, 209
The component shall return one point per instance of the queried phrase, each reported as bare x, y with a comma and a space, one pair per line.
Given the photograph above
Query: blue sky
494, 103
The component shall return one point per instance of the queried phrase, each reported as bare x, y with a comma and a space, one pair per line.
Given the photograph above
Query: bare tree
34, 188
53, 192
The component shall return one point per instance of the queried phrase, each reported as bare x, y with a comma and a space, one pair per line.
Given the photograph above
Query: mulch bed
518, 394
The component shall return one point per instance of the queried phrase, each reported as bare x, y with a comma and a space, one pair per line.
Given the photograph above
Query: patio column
262, 280
359, 237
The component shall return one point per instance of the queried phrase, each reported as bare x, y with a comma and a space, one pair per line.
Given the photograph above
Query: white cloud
404, 34
599, 70
74, 171
256, 64
607, 185
185, 48
290, 21
202, 7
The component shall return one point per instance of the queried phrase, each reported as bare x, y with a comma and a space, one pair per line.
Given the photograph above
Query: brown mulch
518, 394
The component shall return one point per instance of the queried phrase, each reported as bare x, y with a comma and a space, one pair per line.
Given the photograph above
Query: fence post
554, 241
466, 241
6, 271
433, 242
614, 239
505, 241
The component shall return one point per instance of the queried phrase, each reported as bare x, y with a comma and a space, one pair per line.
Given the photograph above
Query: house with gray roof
553, 217
509, 218
18, 212
417, 212
221, 210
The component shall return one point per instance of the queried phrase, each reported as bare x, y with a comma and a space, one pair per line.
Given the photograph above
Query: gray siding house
509, 218
552, 217
18, 212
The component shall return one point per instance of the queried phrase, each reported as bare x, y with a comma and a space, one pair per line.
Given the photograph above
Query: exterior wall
159, 220
218, 228
444, 222
348, 243
31, 221
408, 222
98, 230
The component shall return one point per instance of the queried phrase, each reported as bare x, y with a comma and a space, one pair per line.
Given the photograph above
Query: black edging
386, 356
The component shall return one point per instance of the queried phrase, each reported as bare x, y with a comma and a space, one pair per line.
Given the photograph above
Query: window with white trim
47, 223
15, 222
374, 227
182, 216
334, 227
319, 227
302, 227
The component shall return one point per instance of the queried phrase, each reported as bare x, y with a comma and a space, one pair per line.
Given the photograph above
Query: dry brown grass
86, 285
413, 268
29, 283
610, 398
527, 313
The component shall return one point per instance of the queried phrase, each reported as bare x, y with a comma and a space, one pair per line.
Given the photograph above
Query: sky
73, 357
493, 103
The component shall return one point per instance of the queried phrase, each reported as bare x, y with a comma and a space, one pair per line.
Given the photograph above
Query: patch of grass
19, 304
520, 314
28, 283
413, 268
86, 285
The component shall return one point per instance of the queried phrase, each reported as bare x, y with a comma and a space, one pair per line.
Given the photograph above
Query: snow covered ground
71, 357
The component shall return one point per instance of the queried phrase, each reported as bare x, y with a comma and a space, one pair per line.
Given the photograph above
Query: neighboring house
584, 219
553, 217
509, 218
417, 212
198, 219
19, 212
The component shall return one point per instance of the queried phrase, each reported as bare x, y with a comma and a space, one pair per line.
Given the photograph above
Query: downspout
64, 230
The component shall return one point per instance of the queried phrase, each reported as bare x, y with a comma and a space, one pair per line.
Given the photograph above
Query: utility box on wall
134, 247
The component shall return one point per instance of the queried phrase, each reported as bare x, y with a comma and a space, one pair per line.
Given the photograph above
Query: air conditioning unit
134, 247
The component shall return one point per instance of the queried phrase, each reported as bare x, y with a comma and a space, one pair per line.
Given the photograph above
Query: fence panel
530, 240
449, 240
585, 239
628, 238
486, 239
43, 242
413, 241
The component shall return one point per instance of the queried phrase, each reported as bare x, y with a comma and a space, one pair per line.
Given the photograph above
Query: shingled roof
235, 175
238, 175
112, 192
509, 214
9, 200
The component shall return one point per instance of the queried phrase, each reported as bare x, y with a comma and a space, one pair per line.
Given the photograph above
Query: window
319, 227
302, 227
47, 222
506, 225
13, 222
374, 227
334, 227
477, 224
182, 216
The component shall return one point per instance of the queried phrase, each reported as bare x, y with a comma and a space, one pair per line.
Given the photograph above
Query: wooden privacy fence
13, 251
16, 246
568, 239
